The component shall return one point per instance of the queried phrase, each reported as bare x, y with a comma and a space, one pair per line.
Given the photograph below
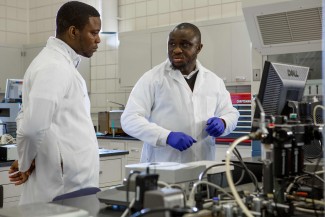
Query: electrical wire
192, 193
314, 115
250, 173
316, 176
310, 211
229, 176
313, 184
164, 184
127, 210
202, 174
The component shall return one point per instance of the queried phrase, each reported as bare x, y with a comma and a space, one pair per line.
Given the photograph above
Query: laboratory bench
122, 142
110, 160
117, 137
91, 204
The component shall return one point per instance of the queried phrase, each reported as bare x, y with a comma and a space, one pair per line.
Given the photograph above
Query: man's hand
19, 177
180, 141
216, 126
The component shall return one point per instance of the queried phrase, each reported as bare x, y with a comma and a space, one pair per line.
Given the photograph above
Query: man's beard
180, 68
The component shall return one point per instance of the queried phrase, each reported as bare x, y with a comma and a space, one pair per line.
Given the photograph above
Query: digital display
4, 112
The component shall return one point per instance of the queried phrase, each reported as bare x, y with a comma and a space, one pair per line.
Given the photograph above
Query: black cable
250, 174
202, 174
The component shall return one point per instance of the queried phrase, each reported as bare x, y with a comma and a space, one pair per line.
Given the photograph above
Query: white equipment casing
8, 152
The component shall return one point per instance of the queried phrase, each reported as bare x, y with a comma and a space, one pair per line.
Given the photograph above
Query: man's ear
73, 32
199, 48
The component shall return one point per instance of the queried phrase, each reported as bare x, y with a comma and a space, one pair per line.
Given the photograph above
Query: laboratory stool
78, 193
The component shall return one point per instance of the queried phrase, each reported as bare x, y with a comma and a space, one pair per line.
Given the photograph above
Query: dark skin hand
20, 177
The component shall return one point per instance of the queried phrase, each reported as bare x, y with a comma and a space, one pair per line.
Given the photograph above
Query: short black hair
74, 13
191, 26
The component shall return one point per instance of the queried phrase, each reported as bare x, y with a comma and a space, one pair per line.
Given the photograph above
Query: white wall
145, 14
33, 21
13, 22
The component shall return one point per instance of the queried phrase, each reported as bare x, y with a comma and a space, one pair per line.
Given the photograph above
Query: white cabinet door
241, 54
135, 149
10, 65
111, 171
159, 47
216, 51
134, 57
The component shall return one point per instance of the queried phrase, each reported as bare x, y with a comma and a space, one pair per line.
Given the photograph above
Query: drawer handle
100, 172
134, 150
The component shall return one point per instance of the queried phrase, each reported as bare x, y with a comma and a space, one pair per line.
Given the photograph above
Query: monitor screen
280, 83
13, 89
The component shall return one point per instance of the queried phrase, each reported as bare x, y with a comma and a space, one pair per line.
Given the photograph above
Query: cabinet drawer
132, 161
134, 150
12, 201
102, 143
116, 145
111, 170
4, 177
10, 190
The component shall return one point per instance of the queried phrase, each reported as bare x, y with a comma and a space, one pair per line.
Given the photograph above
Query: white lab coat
162, 101
55, 126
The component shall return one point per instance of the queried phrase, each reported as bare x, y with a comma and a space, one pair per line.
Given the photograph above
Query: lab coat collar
65, 48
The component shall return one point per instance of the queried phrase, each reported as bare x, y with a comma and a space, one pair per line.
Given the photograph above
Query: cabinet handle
240, 78
100, 172
134, 150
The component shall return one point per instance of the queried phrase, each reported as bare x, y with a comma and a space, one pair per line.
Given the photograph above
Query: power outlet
256, 74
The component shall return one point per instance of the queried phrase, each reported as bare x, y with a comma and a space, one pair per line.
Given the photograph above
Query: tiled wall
13, 22
143, 14
33, 21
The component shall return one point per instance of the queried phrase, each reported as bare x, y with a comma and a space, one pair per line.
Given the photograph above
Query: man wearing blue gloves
179, 107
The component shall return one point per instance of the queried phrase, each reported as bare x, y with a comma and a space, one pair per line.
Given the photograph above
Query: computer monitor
280, 83
13, 90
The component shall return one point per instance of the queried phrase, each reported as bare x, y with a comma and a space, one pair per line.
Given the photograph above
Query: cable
311, 211
314, 115
191, 196
316, 176
202, 174
229, 177
126, 211
164, 184
313, 184
250, 173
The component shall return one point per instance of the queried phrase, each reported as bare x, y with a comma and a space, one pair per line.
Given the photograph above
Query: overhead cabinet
226, 51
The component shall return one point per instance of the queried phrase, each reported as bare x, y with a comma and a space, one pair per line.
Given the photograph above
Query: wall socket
256, 74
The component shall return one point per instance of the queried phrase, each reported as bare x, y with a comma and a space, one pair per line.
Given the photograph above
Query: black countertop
102, 153
118, 137
91, 204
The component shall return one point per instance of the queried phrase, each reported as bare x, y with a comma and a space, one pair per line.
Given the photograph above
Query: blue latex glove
215, 127
180, 141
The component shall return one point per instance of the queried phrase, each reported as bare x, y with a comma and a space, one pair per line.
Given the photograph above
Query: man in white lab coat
57, 145
179, 107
